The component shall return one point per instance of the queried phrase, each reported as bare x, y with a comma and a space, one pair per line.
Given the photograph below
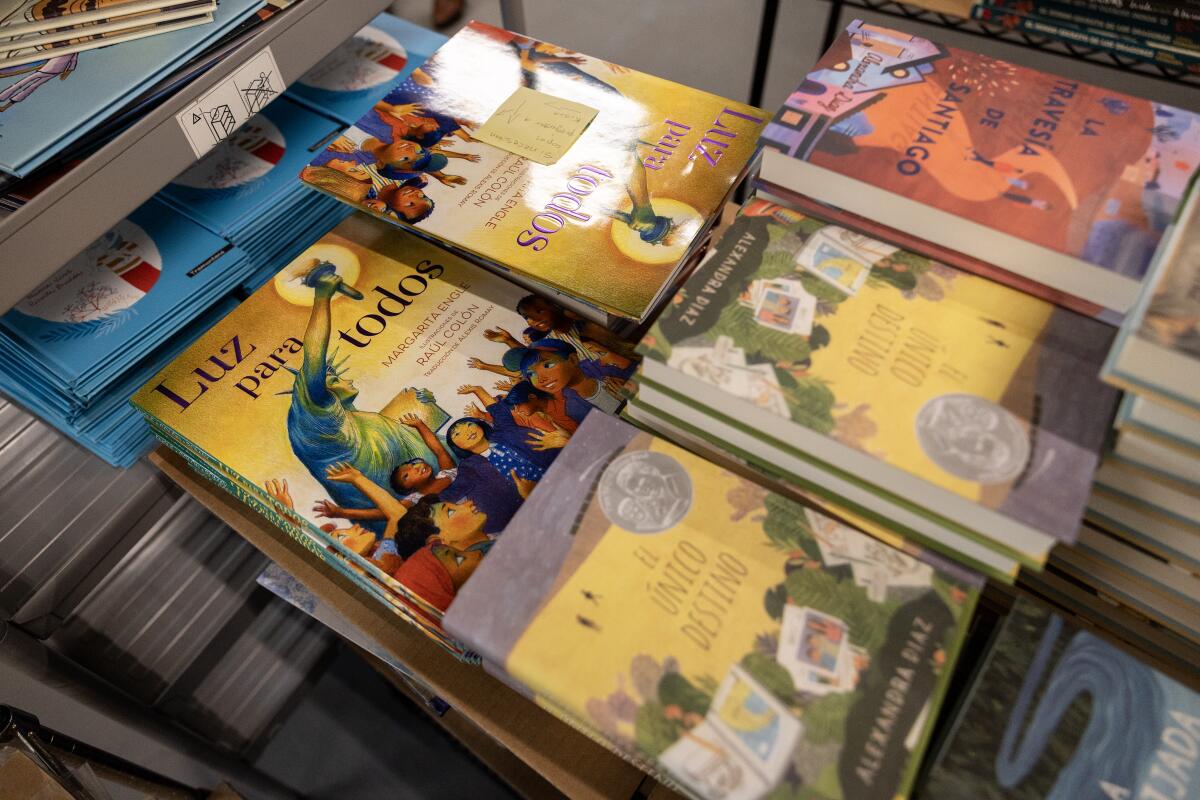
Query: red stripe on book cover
269, 152
143, 276
393, 61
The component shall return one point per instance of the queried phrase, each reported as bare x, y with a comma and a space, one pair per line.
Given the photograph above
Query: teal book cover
47, 105
1058, 713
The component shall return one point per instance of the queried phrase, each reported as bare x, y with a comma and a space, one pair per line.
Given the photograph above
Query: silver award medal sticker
973, 438
645, 492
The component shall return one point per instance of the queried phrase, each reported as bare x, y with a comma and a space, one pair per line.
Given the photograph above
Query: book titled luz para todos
384, 398
944, 394
1058, 713
1048, 178
717, 633
608, 224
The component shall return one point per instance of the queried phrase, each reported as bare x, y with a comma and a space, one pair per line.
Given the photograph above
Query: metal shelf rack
987, 30
61, 221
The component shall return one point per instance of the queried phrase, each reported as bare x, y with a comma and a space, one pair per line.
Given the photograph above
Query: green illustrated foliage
811, 404
653, 732
945, 589
904, 281
845, 600
916, 264
825, 717
774, 678
826, 293
774, 600
676, 690
787, 526
787, 791
738, 322
777, 262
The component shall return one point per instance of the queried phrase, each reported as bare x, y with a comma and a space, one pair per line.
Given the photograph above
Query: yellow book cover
973, 389
389, 399
609, 222
744, 644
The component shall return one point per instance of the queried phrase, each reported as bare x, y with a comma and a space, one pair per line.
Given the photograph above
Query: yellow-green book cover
395, 402
747, 646
609, 221
958, 396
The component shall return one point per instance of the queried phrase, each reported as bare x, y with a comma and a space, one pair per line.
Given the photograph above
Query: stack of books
1160, 32
729, 640
33, 28
1143, 547
53, 102
389, 405
960, 413
363, 69
246, 188
1046, 184
74, 350
580, 179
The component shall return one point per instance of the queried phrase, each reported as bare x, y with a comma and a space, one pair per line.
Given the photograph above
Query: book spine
1148, 26
1152, 52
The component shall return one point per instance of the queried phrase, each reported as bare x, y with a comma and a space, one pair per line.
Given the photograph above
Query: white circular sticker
112, 274
369, 58
251, 152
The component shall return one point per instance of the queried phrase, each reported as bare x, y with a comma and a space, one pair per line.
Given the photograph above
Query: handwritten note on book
538, 126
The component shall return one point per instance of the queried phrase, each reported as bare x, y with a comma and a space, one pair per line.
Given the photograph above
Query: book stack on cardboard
246, 190
389, 405
735, 643
75, 349
1047, 184
963, 414
363, 69
575, 177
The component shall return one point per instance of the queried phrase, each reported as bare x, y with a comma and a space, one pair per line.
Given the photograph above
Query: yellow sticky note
538, 126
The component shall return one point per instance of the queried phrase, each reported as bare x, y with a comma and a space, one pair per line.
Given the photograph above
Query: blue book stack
361, 70
51, 104
247, 188
76, 348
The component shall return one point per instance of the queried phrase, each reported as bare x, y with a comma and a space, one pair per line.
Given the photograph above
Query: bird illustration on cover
1076, 168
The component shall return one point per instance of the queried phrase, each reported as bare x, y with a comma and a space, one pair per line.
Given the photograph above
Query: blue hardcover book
1057, 713
360, 71
237, 186
123, 295
47, 105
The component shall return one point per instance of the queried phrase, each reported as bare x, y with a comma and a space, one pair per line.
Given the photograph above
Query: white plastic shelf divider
61, 221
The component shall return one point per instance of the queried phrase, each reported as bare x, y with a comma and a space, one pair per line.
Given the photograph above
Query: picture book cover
1059, 713
257, 162
362, 70
747, 646
968, 385
1081, 170
126, 291
47, 105
393, 400
608, 222
20, 17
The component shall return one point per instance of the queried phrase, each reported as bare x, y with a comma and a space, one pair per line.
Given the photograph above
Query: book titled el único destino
383, 398
607, 223
1048, 178
729, 639
1058, 713
929, 395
